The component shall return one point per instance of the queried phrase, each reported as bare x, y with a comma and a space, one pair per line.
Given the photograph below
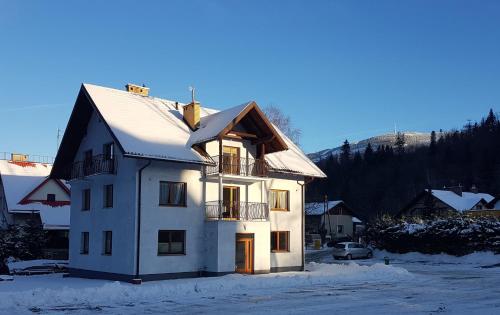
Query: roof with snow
318, 208
150, 127
465, 202
20, 180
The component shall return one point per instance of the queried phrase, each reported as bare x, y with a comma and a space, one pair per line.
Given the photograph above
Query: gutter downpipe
302, 230
138, 280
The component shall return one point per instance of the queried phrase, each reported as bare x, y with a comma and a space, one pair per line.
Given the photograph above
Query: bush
459, 235
24, 241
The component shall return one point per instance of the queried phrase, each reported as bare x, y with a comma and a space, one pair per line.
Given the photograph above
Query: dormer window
51, 197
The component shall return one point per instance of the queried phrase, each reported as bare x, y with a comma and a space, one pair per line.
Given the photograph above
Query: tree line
383, 180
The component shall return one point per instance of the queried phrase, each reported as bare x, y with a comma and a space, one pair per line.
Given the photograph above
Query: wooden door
231, 160
244, 253
231, 202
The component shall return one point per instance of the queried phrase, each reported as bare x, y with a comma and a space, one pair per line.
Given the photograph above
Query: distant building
432, 202
28, 194
337, 218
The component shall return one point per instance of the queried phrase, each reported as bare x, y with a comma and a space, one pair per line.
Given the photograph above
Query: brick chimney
137, 89
191, 113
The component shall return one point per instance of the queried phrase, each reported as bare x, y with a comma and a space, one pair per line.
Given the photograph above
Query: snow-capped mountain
412, 139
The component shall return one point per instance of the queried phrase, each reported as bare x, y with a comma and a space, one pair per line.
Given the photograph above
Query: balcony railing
99, 164
232, 165
245, 211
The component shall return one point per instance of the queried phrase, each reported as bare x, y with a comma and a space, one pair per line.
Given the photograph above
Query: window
108, 151
86, 199
278, 200
280, 241
84, 244
171, 242
87, 162
108, 196
108, 242
172, 194
340, 229
51, 197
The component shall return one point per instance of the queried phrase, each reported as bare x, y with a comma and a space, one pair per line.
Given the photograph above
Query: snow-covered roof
356, 220
461, 203
318, 208
151, 127
19, 179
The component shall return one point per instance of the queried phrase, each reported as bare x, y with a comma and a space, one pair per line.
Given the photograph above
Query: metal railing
99, 164
30, 158
232, 165
240, 210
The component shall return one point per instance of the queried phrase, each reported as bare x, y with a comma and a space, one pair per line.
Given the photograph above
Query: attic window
51, 197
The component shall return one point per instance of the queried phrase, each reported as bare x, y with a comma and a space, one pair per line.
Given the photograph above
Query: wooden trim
287, 200
242, 134
279, 250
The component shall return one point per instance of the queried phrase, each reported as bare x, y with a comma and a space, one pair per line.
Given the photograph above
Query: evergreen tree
400, 143
368, 155
432, 145
345, 154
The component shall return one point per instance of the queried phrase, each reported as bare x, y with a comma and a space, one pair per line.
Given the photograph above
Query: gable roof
150, 127
318, 208
20, 180
461, 203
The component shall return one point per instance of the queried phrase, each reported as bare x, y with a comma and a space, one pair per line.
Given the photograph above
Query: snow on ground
34, 263
412, 284
52, 291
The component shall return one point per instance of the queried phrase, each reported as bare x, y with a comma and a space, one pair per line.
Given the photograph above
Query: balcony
237, 211
98, 164
238, 166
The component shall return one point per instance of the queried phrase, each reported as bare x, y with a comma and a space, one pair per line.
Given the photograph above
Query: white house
334, 216
27, 193
163, 190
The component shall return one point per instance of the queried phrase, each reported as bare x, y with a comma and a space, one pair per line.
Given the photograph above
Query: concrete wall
333, 221
120, 219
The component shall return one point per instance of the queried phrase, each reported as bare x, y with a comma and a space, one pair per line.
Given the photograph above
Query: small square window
278, 200
108, 151
51, 197
340, 229
172, 194
171, 242
280, 241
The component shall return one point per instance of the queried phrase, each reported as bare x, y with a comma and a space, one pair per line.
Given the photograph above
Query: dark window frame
86, 199
287, 209
169, 252
84, 243
107, 251
275, 247
340, 228
107, 201
51, 197
184, 197
111, 154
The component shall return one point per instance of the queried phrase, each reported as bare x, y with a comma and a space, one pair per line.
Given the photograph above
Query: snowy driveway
432, 285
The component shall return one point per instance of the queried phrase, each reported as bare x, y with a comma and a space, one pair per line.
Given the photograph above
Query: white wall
335, 220
50, 187
120, 219
154, 218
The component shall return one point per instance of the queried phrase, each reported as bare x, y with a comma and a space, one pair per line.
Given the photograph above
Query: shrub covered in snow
458, 235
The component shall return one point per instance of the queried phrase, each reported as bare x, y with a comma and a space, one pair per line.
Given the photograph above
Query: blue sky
340, 69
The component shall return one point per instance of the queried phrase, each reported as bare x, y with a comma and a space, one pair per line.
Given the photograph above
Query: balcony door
231, 160
244, 253
231, 202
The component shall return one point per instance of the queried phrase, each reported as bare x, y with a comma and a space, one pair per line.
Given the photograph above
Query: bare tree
283, 122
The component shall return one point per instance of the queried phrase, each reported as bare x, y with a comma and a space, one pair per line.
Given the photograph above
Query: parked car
350, 250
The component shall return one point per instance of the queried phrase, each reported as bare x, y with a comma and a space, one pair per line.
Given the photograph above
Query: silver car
350, 250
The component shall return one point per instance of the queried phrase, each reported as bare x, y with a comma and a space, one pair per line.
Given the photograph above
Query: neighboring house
494, 204
28, 194
445, 202
162, 190
335, 217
